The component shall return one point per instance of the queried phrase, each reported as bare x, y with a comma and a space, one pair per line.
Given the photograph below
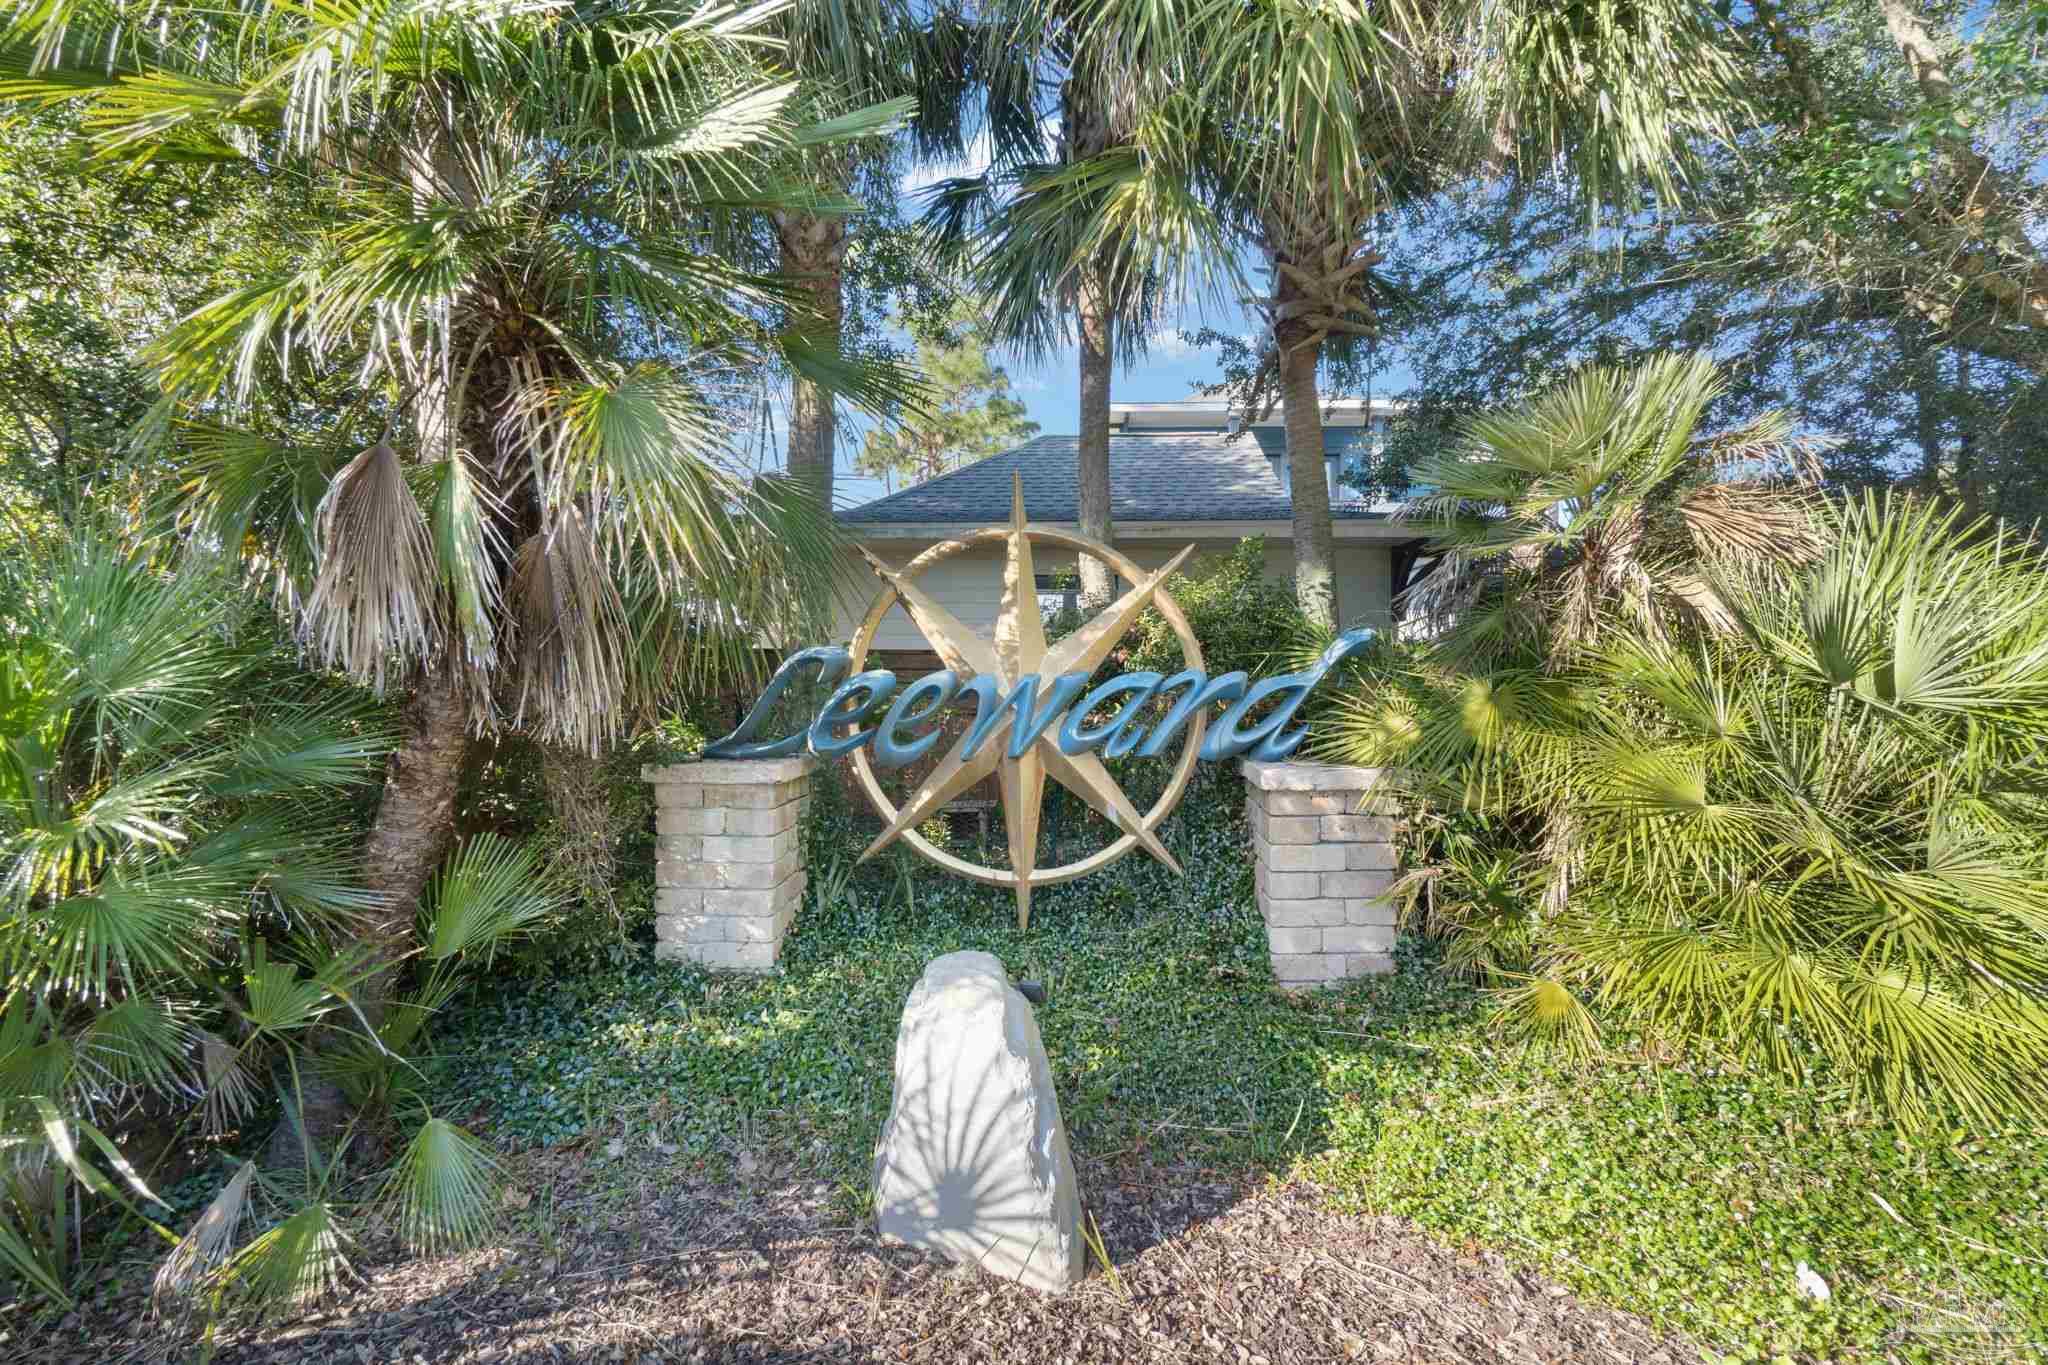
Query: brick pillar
728, 872
1325, 857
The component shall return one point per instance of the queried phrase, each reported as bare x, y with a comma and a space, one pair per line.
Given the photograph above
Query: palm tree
1291, 128
1724, 762
856, 51
168, 792
514, 240
1030, 233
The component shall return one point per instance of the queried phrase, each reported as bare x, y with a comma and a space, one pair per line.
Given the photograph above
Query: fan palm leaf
490, 890
443, 1190
301, 1259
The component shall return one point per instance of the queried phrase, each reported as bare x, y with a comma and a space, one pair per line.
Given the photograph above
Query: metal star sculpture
1018, 649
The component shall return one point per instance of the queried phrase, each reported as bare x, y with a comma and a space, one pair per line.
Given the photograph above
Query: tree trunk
1927, 431
1315, 551
1969, 478
1097, 328
415, 822
414, 825
813, 254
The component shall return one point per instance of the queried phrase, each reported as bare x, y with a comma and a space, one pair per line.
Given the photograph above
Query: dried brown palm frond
233, 1086
376, 596
211, 1242
1608, 574
571, 680
1753, 520
583, 851
1699, 595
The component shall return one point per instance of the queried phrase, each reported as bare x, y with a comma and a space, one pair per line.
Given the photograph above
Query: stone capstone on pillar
1323, 848
973, 1161
728, 872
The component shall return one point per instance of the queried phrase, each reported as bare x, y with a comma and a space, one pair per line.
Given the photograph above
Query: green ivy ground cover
1674, 1189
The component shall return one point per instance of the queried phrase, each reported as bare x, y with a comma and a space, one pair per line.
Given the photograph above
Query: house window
1058, 592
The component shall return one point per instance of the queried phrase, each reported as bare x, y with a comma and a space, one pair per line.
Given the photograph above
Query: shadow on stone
973, 1161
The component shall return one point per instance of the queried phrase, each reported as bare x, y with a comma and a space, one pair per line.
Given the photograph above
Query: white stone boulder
973, 1161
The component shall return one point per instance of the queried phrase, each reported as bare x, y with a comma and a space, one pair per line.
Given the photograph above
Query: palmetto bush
176, 922
1735, 766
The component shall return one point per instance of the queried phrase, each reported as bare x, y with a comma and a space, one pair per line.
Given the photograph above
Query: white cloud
980, 156
980, 153
1166, 343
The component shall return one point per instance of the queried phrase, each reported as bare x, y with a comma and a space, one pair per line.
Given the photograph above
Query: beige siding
970, 584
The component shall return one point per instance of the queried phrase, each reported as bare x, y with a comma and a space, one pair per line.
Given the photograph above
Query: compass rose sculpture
1017, 650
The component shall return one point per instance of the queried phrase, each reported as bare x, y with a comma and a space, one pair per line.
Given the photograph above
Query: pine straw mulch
620, 1260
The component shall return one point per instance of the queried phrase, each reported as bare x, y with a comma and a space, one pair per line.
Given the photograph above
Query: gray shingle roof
1196, 476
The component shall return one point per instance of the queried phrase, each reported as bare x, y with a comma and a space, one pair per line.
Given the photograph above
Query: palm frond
210, 1243
300, 1260
443, 1189
571, 678
19, 1253
1546, 1011
61, 1133
1626, 94
280, 1000
231, 1087
301, 745
140, 1045
489, 891
377, 596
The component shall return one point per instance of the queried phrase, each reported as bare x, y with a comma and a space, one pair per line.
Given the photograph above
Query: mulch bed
619, 1260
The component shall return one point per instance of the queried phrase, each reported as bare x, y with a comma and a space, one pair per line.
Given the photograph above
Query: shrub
590, 820
1243, 618
1784, 803
177, 919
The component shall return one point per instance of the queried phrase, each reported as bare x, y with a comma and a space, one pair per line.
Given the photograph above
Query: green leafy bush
590, 820
1728, 767
177, 923
1244, 618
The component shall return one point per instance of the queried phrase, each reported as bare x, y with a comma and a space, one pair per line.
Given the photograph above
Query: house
1177, 476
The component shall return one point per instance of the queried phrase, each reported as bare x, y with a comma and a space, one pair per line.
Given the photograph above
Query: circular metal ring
1191, 650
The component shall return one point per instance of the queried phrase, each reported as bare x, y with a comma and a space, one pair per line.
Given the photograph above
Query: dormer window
1333, 465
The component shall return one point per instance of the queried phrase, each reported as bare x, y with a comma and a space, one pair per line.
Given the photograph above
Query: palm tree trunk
1097, 328
415, 822
1315, 551
414, 825
813, 254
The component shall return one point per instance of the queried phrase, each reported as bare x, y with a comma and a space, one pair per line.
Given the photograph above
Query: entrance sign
1031, 719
